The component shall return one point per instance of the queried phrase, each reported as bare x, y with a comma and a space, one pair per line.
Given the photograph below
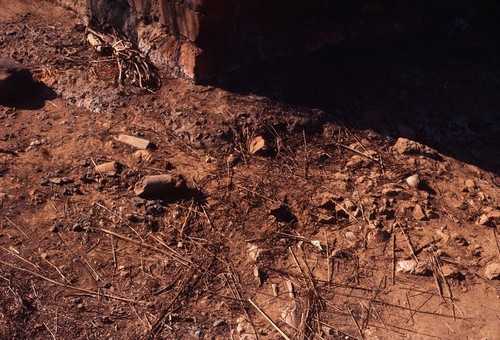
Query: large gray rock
15, 79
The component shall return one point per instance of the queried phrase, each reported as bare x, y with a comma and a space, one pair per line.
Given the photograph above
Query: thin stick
409, 306
121, 219
17, 227
92, 293
186, 220
496, 241
257, 194
335, 329
408, 242
356, 323
20, 257
327, 259
306, 156
53, 336
269, 320
347, 212
414, 311
139, 243
113, 250
356, 151
57, 269
177, 256
393, 271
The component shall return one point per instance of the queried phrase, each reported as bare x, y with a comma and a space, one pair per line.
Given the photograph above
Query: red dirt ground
327, 211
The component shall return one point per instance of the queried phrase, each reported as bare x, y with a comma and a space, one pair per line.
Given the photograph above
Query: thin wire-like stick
269, 320
17, 227
92, 293
121, 219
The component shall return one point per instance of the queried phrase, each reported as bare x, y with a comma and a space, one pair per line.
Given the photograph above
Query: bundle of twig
132, 65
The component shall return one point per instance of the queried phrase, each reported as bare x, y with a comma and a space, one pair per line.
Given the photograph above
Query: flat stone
413, 181
411, 267
258, 146
327, 219
470, 184
408, 147
168, 186
484, 220
136, 142
418, 213
492, 271
15, 79
451, 272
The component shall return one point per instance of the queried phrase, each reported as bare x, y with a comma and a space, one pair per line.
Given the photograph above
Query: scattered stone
348, 205
431, 214
493, 214
60, 180
15, 79
492, 271
109, 167
291, 289
110, 145
411, 267
350, 236
418, 213
470, 185
413, 181
327, 219
232, 160
318, 245
258, 275
482, 196
485, 220
460, 240
291, 314
77, 228
258, 146
254, 251
218, 323
451, 272
34, 143
275, 289
170, 187
408, 147
136, 142
442, 236
137, 201
143, 156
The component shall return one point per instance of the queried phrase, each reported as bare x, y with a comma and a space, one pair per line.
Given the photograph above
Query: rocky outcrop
200, 38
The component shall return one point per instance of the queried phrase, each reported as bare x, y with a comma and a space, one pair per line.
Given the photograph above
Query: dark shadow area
32, 99
437, 86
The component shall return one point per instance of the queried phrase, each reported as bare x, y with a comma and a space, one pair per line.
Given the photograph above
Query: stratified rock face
15, 79
198, 39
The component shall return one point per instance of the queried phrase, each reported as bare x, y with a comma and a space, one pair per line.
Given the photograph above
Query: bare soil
300, 241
